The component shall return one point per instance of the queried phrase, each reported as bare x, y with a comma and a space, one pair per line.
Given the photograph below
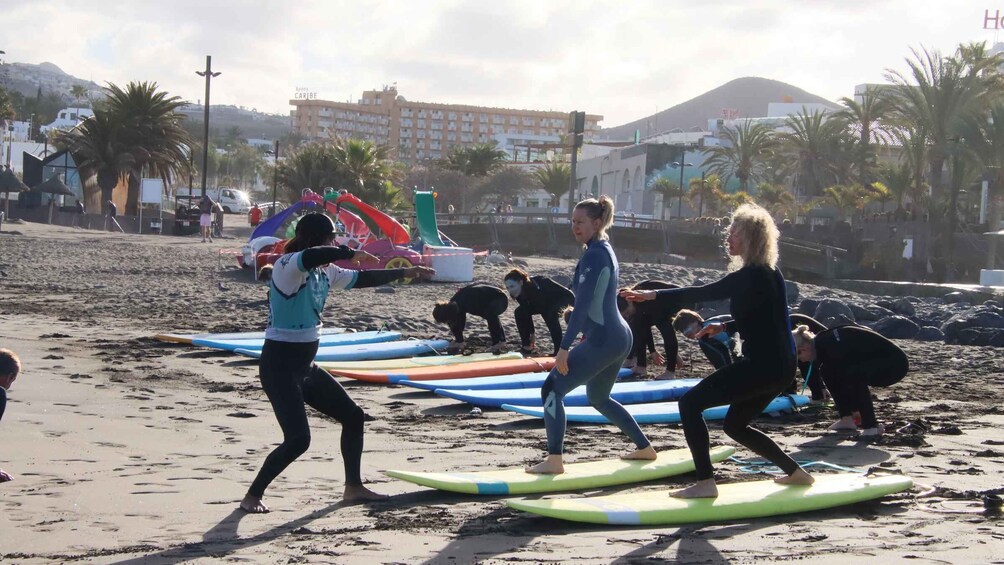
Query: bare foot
666, 376
253, 505
638, 371
551, 465
799, 477
359, 493
646, 454
701, 489
845, 423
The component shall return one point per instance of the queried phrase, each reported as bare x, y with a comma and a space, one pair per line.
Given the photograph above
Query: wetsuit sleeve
651, 340
593, 277
317, 256
378, 277
730, 285
555, 292
457, 326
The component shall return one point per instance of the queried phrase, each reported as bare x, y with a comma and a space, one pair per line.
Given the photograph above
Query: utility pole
209, 74
576, 127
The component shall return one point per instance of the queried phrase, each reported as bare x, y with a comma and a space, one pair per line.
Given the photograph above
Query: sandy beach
129, 450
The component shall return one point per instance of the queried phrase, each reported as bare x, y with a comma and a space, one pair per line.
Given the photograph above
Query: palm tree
866, 117
98, 151
845, 197
78, 92
913, 139
737, 199
364, 165
478, 161
819, 143
150, 128
897, 179
707, 190
554, 178
6, 107
775, 198
878, 192
985, 139
744, 155
314, 166
668, 189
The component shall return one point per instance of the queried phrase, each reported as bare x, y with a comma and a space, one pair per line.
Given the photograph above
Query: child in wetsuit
10, 366
717, 348
537, 295
641, 317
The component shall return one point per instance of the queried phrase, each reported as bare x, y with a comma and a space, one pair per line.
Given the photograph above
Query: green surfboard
736, 501
591, 474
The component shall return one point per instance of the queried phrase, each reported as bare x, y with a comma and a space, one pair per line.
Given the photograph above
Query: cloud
621, 60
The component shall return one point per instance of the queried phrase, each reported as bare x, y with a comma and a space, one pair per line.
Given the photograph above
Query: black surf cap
315, 224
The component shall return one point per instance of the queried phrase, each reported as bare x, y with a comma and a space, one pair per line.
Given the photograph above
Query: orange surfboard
477, 369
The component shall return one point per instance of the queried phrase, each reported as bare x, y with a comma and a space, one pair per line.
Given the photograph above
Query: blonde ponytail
802, 335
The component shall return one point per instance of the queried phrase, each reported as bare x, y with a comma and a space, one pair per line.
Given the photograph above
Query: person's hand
638, 295
658, 359
419, 272
4, 477
364, 259
561, 361
710, 330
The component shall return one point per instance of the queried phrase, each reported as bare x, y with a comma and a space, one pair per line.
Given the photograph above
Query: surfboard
625, 393
464, 370
519, 380
736, 501
325, 340
364, 351
657, 412
414, 362
187, 338
577, 476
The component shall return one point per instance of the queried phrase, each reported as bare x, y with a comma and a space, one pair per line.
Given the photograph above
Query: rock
808, 306
992, 304
997, 340
904, 306
956, 297
862, 314
836, 321
973, 336
929, 333
979, 317
830, 308
791, 291
896, 327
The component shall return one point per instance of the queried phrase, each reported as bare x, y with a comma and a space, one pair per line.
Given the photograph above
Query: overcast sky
623, 59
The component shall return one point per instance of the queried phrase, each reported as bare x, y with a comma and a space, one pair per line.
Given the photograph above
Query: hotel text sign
994, 20
303, 93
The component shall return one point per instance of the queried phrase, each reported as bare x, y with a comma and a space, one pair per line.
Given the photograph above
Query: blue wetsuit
606, 341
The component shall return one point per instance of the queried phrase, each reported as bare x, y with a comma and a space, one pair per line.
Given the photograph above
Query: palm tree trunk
994, 215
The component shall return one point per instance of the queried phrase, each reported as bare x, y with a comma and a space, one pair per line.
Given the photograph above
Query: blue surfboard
522, 380
625, 393
369, 351
658, 412
326, 340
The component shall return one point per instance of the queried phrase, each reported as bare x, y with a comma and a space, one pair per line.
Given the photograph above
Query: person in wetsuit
301, 279
759, 310
10, 366
641, 317
816, 386
717, 348
478, 299
537, 295
850, 359
606, 340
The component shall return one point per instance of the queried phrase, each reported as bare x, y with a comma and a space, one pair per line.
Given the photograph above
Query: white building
68, 118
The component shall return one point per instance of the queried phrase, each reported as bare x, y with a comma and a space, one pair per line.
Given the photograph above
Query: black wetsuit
815, 382
718, 351
658, 313
545, 298
760, 314
484, 300
850, 359
290, 378
3, 401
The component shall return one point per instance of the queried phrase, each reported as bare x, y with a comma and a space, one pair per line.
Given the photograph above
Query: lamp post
275, 178
681, 164
209, 74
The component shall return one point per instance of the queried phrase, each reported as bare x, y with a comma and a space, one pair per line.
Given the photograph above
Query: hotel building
423, 130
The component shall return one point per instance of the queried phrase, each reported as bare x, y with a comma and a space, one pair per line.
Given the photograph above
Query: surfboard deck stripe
187, 338
624, 393
736, 501
464, 370
500, 382
361, 351
329, 340
577, 476
413, 362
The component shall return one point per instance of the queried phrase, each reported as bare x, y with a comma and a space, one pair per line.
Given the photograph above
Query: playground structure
263, 247
451, 262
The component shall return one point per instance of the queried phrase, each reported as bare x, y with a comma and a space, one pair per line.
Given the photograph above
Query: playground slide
425, 212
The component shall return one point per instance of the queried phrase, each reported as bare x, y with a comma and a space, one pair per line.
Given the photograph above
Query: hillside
748, 95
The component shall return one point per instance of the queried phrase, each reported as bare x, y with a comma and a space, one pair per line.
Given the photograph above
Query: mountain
748, 95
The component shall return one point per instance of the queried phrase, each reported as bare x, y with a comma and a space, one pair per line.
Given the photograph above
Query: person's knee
735, 430
689, 406
298, 444
354, 420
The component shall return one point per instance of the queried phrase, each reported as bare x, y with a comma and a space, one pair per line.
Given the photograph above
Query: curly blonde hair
758, 229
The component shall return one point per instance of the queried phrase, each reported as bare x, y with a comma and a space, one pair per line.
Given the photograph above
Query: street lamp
209, 74
681, 164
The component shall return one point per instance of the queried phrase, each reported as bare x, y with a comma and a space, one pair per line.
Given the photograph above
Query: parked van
233, 201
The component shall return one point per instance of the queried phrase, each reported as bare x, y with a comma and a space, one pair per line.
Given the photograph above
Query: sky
623, 59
